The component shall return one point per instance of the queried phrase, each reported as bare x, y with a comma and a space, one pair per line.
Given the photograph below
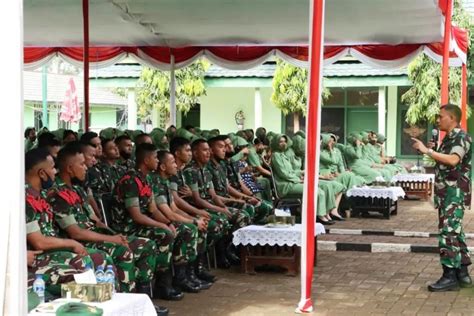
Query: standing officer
452, 197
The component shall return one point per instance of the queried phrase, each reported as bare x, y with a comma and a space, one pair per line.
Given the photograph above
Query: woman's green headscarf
158, 137
299, 144
261, 133
275, 144
110, 133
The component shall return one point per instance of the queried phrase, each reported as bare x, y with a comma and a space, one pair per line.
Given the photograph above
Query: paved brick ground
385, 239
345, 283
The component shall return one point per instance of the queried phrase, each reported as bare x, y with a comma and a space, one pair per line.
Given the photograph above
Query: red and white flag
70, 110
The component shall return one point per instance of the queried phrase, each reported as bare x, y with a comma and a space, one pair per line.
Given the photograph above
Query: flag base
304, 306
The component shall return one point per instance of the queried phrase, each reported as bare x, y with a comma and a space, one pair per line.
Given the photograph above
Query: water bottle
39, 287
110, 277
100, 275
287, 210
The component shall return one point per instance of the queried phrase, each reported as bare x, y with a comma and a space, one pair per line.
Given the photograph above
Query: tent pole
85, 16
446, 48
313, 125
464, 97
172, 93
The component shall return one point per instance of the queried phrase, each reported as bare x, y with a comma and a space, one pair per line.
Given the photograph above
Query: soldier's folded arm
77, 233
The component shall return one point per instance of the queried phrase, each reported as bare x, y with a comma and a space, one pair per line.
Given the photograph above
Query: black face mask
76, 181
46, 184
125, 155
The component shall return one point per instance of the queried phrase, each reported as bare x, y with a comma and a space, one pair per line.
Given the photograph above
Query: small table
419, 184
379, 199
121, 304
278, 246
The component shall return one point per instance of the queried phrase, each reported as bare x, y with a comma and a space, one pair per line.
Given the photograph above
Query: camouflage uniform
242, 214
92, 181
133, 189
40, 218
126, 164
109, 176
200, 180
186, 240
217, 224
71, 208
452, 197
234, 178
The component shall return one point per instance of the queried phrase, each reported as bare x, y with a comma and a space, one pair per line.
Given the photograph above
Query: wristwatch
430, 152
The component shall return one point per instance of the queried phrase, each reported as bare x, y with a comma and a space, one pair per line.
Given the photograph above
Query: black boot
231, 255
164, 288
161, 310
463, 277
447, 282
201, 284
144, 288
222, 262
181, 280
201, 270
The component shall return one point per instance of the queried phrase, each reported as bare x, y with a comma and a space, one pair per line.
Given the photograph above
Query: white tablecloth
393, 193
123, 304
414, 177
260, 235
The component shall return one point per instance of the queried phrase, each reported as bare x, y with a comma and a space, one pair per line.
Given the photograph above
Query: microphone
434, 137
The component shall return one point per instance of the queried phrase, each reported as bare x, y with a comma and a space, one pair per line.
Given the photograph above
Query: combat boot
232, 257
463, 277
201, 270
447, 282
222, 262
191, 275
164, 288
181, 280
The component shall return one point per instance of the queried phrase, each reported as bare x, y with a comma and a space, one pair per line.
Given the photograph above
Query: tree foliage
153, 89
423, 97
290, 88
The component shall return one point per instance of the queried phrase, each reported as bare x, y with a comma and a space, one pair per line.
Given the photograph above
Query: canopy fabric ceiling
122, 28
180, 23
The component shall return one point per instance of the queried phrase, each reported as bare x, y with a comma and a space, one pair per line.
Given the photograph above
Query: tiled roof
342, 69
57, 86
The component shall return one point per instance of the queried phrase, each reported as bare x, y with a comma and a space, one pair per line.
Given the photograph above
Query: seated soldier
199, 180
191, 231
69, 136
30, 138
50, 142
42, 235
182, 194
74, 216
135, 212
110, 171
125, 147
92, 175
236, 186
289, 182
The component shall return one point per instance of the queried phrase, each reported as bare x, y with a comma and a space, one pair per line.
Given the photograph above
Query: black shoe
201, 271
181, 280
164, 289
324, 222
161, 310
337, 218
190, 273
447, 282
463, 277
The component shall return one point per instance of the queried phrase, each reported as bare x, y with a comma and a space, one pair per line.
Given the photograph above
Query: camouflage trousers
122, 258
185, 243
217, 227
452, 241
242, 214
201, 241
58, 267
164, 241
144, 254
262, 211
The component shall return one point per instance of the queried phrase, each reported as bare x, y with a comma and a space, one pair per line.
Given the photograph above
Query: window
363, 97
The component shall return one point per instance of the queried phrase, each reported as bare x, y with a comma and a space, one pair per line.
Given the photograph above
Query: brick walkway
347, 282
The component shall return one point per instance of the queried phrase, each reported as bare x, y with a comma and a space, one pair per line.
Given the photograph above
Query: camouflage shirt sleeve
191, 179
32, 223
131, 196
64, 213
460, 147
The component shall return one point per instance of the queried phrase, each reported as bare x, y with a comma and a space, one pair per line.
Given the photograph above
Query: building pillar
392, 105
172, 93
258, 109
132, 110
381, 110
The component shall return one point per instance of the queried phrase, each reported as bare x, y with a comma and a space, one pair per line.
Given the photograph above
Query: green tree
153, 89
423, 98
290, 90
